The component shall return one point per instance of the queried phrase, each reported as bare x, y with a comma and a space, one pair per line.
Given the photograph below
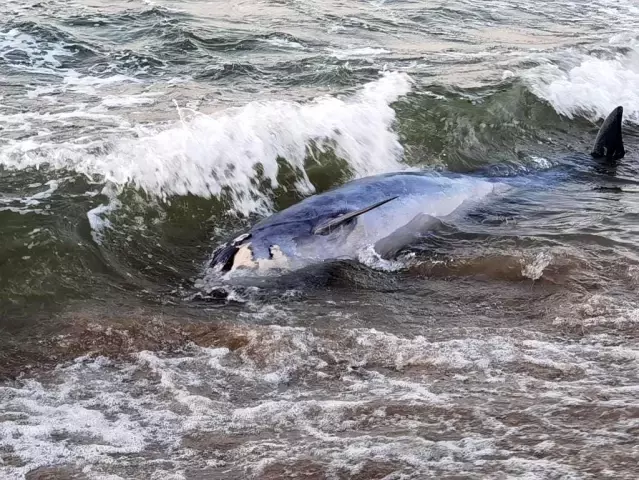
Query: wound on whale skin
609, 141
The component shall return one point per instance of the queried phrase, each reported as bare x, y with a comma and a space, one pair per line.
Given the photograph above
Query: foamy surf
469, 400
208, 155
591, 84
33, 55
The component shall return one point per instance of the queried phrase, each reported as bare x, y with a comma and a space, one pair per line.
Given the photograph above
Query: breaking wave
232, 151
592, 84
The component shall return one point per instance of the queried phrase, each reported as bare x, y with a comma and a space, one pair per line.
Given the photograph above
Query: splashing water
535, 268
206, 155
592, 85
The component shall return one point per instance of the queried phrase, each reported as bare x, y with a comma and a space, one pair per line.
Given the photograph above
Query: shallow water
136, 136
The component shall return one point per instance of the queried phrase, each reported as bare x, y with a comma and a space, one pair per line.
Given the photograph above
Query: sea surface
135, 136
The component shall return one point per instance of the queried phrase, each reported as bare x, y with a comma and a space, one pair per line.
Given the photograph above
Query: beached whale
386, 212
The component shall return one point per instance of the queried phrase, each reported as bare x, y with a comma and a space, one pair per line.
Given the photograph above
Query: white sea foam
602, 310
369, 257
591, 85
345, 54
24, 52
97, 216
115, 101
262, 399
31, 203
206, 155
284, 43
89, 85
534, 268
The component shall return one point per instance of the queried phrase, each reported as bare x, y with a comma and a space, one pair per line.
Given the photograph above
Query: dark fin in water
329, 225
609, 142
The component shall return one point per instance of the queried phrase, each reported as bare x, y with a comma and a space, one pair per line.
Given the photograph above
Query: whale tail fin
609, 141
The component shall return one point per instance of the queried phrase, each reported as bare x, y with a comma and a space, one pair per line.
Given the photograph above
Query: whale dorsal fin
329, 225
609, 141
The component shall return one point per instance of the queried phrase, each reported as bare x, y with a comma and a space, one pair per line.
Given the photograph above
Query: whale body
386, 212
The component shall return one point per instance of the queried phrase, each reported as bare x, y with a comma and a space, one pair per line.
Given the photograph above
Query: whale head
252, 251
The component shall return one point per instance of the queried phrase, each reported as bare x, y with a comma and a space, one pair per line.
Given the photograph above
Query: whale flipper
389, 246
609, 141
327, 226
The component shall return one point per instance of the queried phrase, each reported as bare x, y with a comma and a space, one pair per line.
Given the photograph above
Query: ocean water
137, 135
